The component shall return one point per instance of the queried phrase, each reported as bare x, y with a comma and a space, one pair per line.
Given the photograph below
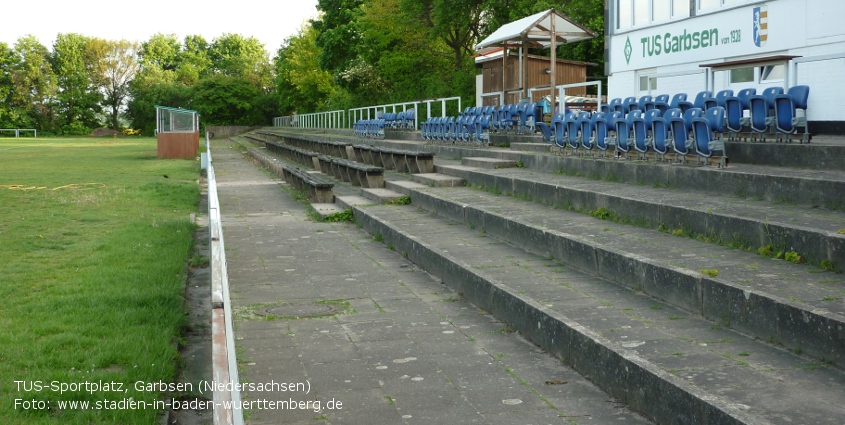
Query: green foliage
223, 100
405, 200
710, 272
345, 216
828, 265
793, 257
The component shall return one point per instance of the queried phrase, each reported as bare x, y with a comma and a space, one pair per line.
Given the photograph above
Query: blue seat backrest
662, 98
612, 118
799, 95
699, 98
679, 97
629, 104
650, 116
693, 113
598, 116
673, 113
722, 95
643, 101
744, 96
770, 94
716, 117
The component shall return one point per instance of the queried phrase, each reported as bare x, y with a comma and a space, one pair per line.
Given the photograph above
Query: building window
641, 12
680, 8
625, 14
742, 75
662, 10
636, 13
771, 73
648, 83
713, 4
708, 4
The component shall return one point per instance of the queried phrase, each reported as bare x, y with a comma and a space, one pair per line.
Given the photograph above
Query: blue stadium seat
587, 126
645, 103
573, 129
759, 115
615, 105
703, 135
699, 99
610, 124
624, 133
660, 137
787, 121
630, 104
643, 137
599, 136
676, 99
681, 127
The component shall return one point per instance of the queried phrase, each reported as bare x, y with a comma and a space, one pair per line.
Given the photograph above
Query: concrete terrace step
483, 162
812, 232
673, 367
824, 187
403, 186
381, 196
795, 305
438, 180
326, 210
351, 201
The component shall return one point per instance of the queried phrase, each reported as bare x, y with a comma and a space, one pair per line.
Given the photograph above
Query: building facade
687, 46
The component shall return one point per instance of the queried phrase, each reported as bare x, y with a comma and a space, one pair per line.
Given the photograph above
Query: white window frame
631, 25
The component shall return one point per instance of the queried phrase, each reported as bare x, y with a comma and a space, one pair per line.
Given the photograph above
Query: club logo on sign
761, 25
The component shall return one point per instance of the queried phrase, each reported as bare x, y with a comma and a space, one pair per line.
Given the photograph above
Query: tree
227, 100
300, 84
456, 22
7, 63
236, 56
195, 63
33, 85
77, 100
337, 35
114, 68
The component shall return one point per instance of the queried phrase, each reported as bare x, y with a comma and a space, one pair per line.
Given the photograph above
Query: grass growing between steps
95, 236
734, 241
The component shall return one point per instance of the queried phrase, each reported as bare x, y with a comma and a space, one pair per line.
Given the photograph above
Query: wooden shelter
542, 30
537, 74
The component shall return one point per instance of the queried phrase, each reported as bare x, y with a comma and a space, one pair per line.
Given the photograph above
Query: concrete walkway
395, 346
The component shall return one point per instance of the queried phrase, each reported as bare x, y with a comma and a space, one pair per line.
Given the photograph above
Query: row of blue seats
401, 120
694, 131
466, 129
372, 129
772, 111
475, 124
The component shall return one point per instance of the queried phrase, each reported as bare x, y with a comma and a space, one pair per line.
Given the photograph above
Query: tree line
356, 53
87, 82
370, 52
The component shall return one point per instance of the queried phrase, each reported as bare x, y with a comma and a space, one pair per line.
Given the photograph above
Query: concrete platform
326, 210
350, 201
381, 196
438, 180
492, 163
403, 186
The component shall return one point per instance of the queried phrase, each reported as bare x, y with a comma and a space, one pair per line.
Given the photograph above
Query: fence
347, 118
18, 131
224, 363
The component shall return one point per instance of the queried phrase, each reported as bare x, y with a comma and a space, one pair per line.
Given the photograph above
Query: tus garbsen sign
748, 30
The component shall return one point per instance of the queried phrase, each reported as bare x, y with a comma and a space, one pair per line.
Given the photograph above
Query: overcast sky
271, 22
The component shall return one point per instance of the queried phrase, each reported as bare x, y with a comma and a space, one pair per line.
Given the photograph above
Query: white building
687, 46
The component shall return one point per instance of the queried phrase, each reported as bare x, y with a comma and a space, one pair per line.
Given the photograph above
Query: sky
271, 22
